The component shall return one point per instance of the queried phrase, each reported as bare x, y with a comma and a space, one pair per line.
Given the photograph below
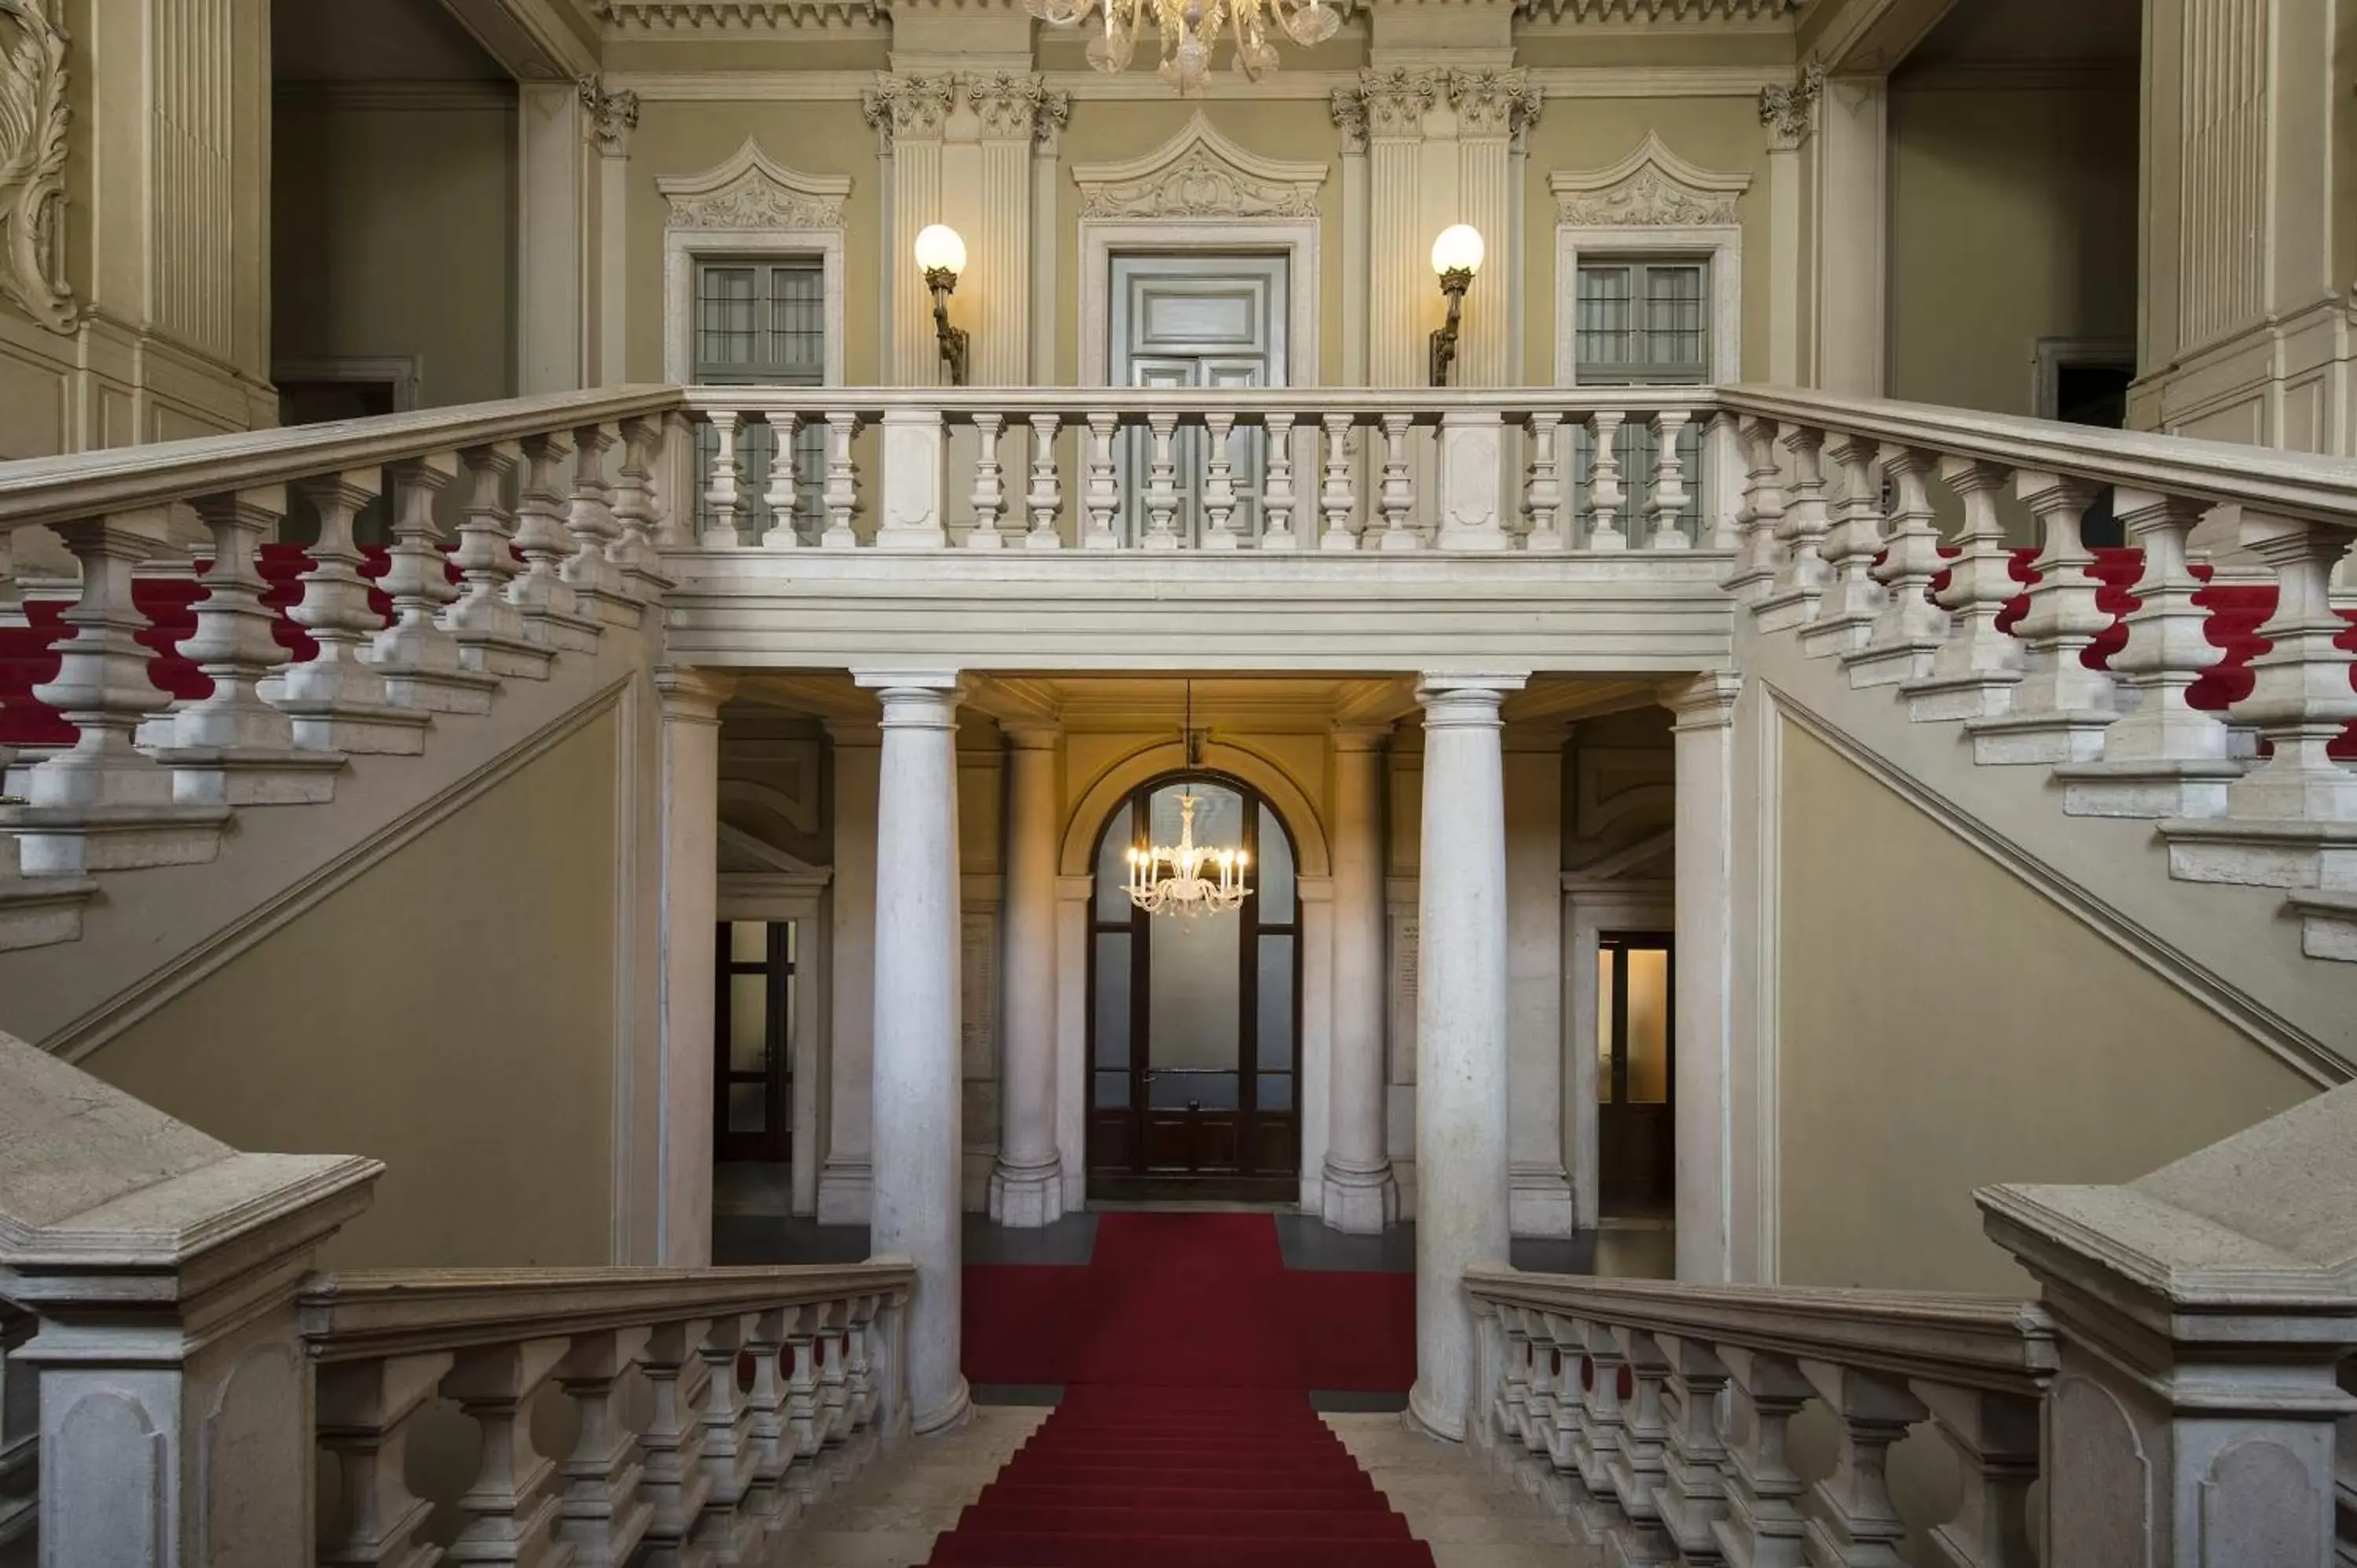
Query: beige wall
2013, 218
395, 235
449, 1012
1721, 135
1944, 1027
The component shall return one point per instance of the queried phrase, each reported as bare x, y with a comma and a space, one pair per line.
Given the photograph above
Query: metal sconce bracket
1453, 283
943, 282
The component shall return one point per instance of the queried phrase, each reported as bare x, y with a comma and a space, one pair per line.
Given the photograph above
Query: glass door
1635, 1075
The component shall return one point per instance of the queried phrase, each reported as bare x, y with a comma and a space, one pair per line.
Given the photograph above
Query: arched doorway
1194, 1044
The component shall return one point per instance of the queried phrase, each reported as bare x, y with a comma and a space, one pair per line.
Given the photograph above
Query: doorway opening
1636, 1076
1194, 1044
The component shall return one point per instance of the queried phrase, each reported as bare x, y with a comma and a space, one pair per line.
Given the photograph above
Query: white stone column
1853, 205
850, 1075
1358, 1193
552, 237
1704, 979
910, 113
1026, 1188
691, 873
610, 118
915, 1210
1462, 1097
1542, 1202
1789, 115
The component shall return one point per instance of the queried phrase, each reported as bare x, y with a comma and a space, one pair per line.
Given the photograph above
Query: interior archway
1194, 1022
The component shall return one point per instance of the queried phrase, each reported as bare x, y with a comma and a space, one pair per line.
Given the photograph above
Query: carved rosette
33, 121
612, 116
1493, 104
908, 106
1789, 112
1018, 108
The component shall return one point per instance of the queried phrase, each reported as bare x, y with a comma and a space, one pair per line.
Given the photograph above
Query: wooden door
1636, 1074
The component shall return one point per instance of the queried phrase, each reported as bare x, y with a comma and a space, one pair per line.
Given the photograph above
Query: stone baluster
102, 804
1803, 576
601, 1514
1996, 1439
638, 511
1759, 553
1693, 1496
728, 1529
802, 1412
1669, 495
673, 480
1395, 498
1046, 496
1568, 1341
834, 1381
1604, 493
589, 518
1277, 499
1763, 1522
1510, 1410
1543, 1390
1602, 1421
784, 496
1852, 600
2165, 758
989, 496
1101, 498
483, 621
335, 699
2300, 694
512, 1507
724, 487
1721, 461
1640, 1470
233, 747
2060, 708
1161, 492
1219, 482
675, 1483
1543, 486
551, 610
1337, 496
1975, 671
363, 1413
1854, 1524
1908, 629
767, 1431
418, 659
840, 494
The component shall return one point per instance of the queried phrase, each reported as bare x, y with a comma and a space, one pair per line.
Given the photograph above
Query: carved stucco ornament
1789, 112
33, 119
1199, 173
1652, 188
750, 190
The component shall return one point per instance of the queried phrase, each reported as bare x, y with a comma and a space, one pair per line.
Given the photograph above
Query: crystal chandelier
1186, 879
1189, 29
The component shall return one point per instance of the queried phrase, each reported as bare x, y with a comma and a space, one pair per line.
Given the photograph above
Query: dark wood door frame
1250, 1153
1636, 1143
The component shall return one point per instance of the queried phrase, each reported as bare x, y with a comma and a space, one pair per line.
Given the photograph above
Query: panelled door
1636, 1074
1194, 1023
1196, 320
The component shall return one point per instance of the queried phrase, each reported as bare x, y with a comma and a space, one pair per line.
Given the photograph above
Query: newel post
2201, 1313
176, 1398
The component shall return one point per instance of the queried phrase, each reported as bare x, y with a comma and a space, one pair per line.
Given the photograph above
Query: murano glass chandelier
1190, 30
1185, 879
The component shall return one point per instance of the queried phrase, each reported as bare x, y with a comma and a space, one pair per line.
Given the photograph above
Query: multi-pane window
1643, 323
753, 1039
762, 323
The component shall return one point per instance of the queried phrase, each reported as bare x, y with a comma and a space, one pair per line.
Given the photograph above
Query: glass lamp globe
1458, 250
938, 249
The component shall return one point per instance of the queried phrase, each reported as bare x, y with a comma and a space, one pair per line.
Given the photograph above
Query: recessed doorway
1195, 1023
1636, 1074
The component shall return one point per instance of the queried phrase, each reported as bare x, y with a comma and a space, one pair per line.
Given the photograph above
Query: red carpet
1185, 1436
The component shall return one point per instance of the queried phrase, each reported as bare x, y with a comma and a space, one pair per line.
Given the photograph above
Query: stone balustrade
709, 1406
1657, 1417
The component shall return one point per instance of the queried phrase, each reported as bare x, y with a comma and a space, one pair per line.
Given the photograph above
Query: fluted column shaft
1027, 1188
917, 1140
1357, 1192
1462, 1097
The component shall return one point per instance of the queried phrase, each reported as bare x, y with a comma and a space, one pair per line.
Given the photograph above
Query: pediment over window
751, 191
1652, 188
1198, 173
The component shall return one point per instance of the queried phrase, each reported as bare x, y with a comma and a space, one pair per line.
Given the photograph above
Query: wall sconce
1456, 256
943, 255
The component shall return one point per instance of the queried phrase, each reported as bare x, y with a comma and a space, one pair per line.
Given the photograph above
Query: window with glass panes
762, 323
753, 1039
1643, 323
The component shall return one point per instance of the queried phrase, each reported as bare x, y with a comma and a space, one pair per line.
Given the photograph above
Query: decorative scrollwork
1789, 112
33, 119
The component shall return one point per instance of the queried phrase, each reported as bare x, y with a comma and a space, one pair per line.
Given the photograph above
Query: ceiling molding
534, 41
1866, 37
1087, 86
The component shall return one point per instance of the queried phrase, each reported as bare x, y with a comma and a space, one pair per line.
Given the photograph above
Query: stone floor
1472, 1517
1470, 1514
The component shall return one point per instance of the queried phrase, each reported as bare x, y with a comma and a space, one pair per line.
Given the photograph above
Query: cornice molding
1198, 173
1652, 188
750, 190
1090, 87
870, 18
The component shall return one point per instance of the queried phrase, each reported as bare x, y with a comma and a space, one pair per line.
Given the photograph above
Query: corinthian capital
1391, 104
1018, 108
907, 105
1790, 112
612, 116
1493, 102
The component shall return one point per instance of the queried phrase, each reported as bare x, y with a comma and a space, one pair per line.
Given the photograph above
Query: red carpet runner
1185, 1436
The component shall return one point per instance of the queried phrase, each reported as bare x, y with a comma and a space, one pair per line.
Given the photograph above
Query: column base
950, 1413
1432, 1422
844, 1193
1028, 1197
1359, 1202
